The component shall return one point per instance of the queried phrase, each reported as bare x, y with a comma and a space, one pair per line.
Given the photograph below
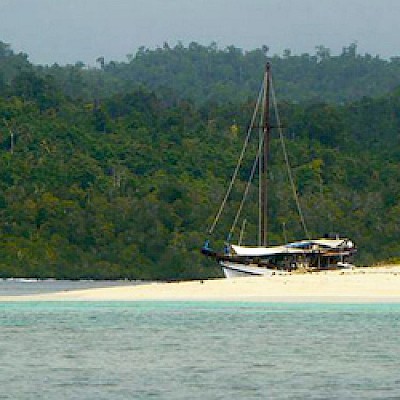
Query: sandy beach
358, 285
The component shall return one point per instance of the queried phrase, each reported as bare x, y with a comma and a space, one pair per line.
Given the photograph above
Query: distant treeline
116, 172
207, 74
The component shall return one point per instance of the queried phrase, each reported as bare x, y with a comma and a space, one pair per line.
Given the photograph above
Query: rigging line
242, 232
253, 170
228, 192
289, 170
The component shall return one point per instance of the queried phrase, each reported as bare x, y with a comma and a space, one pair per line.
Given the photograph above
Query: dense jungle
116, 170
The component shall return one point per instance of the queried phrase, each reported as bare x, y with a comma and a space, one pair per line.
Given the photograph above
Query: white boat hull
235, 270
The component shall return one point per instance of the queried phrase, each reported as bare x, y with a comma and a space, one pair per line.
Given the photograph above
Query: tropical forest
117, 170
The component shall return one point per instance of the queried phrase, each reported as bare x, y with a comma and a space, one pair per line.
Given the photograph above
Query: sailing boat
328, 252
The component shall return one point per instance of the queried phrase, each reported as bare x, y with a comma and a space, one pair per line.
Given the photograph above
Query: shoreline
360, 285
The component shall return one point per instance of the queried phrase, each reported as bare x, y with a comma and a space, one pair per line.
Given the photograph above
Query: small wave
24, 280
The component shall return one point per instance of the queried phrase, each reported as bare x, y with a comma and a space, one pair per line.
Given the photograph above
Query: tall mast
265, 158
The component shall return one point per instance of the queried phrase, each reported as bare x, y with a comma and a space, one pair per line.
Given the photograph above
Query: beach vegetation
117, 171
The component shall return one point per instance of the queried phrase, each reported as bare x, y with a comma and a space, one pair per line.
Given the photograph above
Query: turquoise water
172, 350
21, 286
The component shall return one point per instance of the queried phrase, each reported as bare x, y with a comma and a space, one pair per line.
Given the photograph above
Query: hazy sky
66, 31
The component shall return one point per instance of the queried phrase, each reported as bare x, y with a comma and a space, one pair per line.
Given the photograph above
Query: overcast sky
66, 31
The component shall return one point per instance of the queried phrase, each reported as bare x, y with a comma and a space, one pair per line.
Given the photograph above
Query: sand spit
359, 285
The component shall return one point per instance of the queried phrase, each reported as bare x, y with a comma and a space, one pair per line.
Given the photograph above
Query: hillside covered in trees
117, 171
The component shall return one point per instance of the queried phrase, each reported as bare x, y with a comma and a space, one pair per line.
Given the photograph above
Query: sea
197, 350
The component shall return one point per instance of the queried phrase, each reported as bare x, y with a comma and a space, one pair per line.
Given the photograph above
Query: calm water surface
173, 350
20, 286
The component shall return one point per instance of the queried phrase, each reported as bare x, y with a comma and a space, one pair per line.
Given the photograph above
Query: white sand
360, 285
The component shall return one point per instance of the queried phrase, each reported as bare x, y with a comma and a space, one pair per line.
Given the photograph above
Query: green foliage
103, 181
206, 74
